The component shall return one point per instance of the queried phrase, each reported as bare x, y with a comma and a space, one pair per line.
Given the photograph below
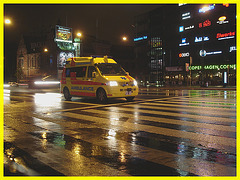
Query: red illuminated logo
226, 5
205, 23
220, 35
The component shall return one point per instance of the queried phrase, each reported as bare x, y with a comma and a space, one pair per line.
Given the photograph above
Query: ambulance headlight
113, 83
135, 83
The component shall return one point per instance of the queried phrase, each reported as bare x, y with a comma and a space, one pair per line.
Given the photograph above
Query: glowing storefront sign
186, 16
221, 20
184, 42
181, 28
204, 53
140, 38
200, 39
232, 48
205, 23
206, 8
223, 36
182, 4
226, 4
189, 27
213, 67
183, 54
63, 34
225, 77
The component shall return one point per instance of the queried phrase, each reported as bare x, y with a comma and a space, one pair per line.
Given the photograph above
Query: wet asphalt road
160, 133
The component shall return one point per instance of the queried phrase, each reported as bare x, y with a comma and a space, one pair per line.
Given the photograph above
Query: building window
21, 64
33, 62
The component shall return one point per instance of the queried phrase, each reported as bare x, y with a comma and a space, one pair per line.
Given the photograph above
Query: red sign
205, 23
220, 35
226, 5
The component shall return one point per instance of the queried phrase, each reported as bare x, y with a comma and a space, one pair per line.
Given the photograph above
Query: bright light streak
46, 82
6, 85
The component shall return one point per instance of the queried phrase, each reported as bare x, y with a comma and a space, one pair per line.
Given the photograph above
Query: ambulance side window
67, 72
91, 69
81, 71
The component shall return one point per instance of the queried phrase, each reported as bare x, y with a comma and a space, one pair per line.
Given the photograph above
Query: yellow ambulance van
99, 77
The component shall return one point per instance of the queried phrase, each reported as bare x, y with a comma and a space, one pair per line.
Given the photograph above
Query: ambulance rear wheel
66, 93
101, 95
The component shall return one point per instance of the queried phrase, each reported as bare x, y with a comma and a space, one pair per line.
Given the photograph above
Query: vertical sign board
63, 34
225, 78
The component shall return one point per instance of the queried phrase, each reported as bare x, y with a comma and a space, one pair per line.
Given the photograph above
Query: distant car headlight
112, 83
46, 82
135, 83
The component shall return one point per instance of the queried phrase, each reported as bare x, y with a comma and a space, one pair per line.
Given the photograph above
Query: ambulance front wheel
67, 94
101, 95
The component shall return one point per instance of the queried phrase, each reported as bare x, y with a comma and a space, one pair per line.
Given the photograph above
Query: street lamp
124, 38
45, 50
7, 21
79, 34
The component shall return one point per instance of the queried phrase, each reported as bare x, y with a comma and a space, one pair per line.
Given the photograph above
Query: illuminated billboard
63, 34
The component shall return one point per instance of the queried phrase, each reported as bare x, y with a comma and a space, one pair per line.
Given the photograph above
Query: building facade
155, 34
207, 44
187, 44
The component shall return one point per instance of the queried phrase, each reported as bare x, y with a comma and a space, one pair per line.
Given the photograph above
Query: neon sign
232, 48
205, 23
204, 53
181, 28
184, 54
213, 67
221, 20
184, 42
206, 8
186, 16
229, 35
226, 4
63, 34
200, 39
189, 27
140, 38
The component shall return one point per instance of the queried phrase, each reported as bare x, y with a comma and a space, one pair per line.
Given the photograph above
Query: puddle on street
21, 163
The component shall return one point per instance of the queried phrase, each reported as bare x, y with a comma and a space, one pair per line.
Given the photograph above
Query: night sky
114, 21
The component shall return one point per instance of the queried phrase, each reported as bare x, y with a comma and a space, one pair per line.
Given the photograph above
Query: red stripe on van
86, 82
82, 93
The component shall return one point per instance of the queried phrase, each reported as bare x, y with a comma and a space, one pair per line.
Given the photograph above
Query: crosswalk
184, 135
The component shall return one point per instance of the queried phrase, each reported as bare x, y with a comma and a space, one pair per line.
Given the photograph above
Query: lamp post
77, 43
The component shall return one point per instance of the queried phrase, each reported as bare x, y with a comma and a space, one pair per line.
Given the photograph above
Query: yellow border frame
111, 2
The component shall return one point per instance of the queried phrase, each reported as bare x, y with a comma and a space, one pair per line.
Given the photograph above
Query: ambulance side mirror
94, 74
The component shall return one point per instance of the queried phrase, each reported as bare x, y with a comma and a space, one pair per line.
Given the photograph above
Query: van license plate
128, 92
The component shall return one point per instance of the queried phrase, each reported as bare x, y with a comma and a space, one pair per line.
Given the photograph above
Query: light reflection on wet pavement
166, 133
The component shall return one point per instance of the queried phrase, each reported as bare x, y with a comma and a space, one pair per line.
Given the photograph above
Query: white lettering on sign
232, 48
184, 54
200, 39
189, 27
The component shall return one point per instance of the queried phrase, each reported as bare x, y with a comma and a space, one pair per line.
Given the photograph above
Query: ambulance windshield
111, 69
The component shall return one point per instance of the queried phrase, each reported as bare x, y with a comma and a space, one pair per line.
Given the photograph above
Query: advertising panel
63, 34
